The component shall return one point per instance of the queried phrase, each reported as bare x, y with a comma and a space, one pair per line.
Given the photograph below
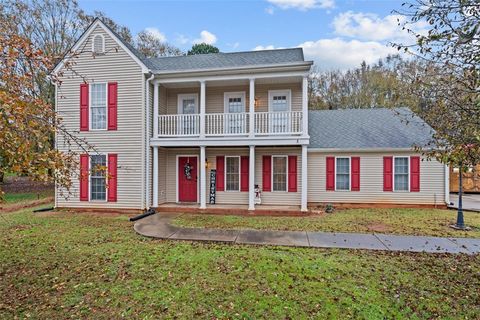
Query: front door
235, 113
187, 179
188, 106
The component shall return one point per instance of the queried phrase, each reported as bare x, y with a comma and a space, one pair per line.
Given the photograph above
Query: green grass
433, 222
23, 197
82, 266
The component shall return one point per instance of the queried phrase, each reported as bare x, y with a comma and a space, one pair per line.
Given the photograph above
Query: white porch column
155, 177
202, 109
305, 105
251, 179
304, 178
155, 109
251, 110
203, 179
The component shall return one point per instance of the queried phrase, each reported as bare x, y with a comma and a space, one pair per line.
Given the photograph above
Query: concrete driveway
471, 202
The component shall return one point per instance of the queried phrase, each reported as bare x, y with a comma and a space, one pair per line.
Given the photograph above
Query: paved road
158, 226
470, 201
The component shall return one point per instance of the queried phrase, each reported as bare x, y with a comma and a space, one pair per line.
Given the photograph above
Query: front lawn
432, 222
82, 266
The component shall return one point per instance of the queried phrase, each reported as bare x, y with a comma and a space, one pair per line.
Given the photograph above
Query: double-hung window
98, 190
279, 173
232, 173
98, 108
401, 171
342, 174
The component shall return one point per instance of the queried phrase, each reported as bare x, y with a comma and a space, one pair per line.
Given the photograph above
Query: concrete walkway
158, 226
470, 202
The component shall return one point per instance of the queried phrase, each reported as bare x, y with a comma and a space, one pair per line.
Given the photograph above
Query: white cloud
182, 39
269, 47
337, 53
206, 37
368, 26
156, 33
270, 10
340, 54
303, 4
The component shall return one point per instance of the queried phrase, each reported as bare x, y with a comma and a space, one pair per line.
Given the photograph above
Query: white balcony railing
273, 123
230, 124
225, 124
173, 125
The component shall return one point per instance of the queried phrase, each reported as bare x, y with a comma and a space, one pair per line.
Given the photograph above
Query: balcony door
279, 111
188, 123
235, 121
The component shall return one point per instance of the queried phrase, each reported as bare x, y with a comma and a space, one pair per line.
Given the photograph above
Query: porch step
237, 211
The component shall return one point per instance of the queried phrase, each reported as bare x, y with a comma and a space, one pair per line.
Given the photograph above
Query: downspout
147, 142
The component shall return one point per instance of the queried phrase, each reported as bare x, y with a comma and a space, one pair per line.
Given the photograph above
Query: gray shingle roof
225, 60
367, 129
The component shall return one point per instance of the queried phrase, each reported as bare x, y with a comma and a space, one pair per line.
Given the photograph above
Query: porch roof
376, 128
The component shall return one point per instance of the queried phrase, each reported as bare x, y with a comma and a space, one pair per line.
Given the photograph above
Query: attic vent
98, 44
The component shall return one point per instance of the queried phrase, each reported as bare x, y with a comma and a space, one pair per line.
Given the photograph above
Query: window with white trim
98, 186
232, 173
98, 106
235, 112
98, 44
401, 173
342, 172
279, 173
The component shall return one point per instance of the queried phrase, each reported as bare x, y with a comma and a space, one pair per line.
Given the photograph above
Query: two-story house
216, 129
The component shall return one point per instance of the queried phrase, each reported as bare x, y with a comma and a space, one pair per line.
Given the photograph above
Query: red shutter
220, 173
244, 172
415, 174
84, 172
330, 173
387, 173
112, 106
267, 173
83, 107
292, 173
355, 173
112, 177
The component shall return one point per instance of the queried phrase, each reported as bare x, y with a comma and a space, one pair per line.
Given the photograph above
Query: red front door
187, 179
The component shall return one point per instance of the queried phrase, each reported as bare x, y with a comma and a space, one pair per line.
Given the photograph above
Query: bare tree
152, 47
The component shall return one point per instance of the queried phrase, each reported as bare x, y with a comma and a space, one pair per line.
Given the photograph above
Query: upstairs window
98, 106
98, 44
401, 174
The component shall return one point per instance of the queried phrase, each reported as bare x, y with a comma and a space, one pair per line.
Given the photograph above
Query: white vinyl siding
98, 186
342, 172
128, 141
232, 173
98, 106
279, 173
401, 174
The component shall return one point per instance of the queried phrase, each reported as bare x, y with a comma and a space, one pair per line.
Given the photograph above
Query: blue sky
333, 33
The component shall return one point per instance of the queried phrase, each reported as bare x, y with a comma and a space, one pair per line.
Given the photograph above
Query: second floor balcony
231, 124
238, 107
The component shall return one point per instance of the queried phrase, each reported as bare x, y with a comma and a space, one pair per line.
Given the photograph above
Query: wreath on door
187, 170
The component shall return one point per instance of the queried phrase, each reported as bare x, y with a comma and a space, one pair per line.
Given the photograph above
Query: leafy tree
152, 47
451, 88
27, 121
382, 84
202, 48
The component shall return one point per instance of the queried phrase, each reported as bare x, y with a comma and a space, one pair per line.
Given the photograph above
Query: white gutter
147, 142
361, 150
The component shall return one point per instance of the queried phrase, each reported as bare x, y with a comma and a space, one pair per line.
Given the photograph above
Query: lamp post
460, 222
